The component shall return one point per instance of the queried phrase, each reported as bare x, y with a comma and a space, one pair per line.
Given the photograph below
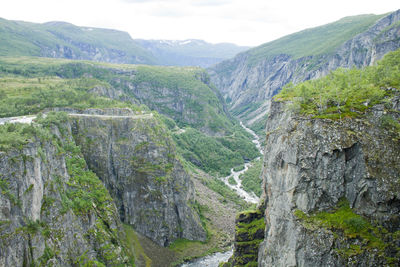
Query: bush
345, 93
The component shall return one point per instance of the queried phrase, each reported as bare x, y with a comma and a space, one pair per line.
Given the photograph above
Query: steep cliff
64, 207
249, 80
54, 211
136, 159
332, 189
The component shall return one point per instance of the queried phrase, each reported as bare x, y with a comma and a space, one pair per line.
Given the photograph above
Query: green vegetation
392, 125
30, 85
259, 128
251, 181
15, 135
4, 190
232, 181
135, 248
214, 154
206, 152
84, 194
250, 227
226, 193
315, 41
187, 249
345, 93
344, 222
19, 38
187, 96
22, 95
238, 168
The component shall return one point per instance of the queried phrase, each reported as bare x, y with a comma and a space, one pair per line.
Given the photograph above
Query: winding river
214, 259
249, 197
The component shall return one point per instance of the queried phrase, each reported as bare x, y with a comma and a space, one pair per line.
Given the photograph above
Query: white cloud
249, 22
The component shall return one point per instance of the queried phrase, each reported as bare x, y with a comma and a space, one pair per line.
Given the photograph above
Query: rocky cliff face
64, 207
332, 190
48, 214
136, 159
249, 87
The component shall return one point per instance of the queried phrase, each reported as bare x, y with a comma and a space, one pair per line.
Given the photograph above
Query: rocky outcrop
249, 233
136, 159
48, 215
55, 210
332, 189
249, 87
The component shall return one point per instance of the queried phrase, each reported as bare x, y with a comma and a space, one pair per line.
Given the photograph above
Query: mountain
190, 52
191, 107
331, 174
65, 40
252, 78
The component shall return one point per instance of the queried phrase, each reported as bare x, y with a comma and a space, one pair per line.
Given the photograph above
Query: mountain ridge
248, 86
59, 39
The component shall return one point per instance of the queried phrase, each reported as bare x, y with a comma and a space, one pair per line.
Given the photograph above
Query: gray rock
37, 226
247, 84
310, 164
137, 161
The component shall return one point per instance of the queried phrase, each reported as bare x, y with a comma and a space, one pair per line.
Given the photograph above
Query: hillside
252, 78
350, 212
105, 153
65, 40
189, 104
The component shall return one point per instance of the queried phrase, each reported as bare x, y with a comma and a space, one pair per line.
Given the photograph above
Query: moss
250, 227
344, 222
345, 93
4, 190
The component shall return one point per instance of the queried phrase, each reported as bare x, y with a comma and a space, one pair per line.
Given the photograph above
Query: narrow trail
30, 118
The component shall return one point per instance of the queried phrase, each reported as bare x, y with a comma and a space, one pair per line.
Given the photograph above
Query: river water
249, 197
214, 259
209, 261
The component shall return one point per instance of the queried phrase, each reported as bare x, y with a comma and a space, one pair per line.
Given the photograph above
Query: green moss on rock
250, 227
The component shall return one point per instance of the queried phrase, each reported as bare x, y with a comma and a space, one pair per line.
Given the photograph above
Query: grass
314, 41
23, 96
344, 220
345, 93
136, 249
251, 181
15, 135
232, 181
250, 227
226, 193
19, 38
214, 154
31, 85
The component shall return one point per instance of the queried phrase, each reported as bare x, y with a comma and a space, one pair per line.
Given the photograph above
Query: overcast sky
244, 22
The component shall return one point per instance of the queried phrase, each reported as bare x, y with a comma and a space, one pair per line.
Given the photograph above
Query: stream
214, 259
249, 197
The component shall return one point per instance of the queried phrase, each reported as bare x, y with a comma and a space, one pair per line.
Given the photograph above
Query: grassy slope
345, 93
19, 38
315, 41
29, 85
